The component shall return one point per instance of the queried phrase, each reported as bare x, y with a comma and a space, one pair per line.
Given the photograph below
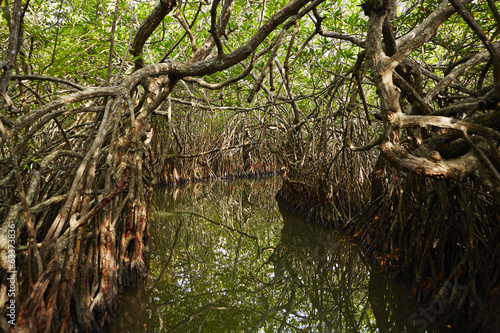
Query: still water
225, 258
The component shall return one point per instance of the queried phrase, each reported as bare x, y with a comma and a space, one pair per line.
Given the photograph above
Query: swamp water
224, 258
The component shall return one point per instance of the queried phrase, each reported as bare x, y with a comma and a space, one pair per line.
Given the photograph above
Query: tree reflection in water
226, 259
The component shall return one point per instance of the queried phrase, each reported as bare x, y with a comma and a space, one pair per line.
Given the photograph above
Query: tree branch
495, 54
15, 22
453, 168
456, 72
148, 26
180, 70
214, 31
214, 86
187, 28
338, 35
48, 78
421, 34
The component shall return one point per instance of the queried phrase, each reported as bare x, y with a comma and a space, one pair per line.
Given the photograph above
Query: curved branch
61, 101
214, 31
48, 78
375, 142
452, 169
338, 35
447, 122
148, 26
179, 70
458, 71
186, 27
421, 34
213, 86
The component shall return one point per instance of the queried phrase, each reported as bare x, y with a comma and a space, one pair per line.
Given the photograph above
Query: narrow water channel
225, 258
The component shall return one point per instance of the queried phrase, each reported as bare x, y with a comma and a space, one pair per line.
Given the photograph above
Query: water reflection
226, 259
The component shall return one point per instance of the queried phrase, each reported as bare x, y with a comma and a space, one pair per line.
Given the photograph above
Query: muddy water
224, 258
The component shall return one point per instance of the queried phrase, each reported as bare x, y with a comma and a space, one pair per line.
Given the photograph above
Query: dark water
226, 259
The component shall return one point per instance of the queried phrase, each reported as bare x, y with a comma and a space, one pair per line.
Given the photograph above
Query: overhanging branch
148, 26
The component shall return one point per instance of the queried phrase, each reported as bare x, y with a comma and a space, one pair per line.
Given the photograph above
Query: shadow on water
225, 258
